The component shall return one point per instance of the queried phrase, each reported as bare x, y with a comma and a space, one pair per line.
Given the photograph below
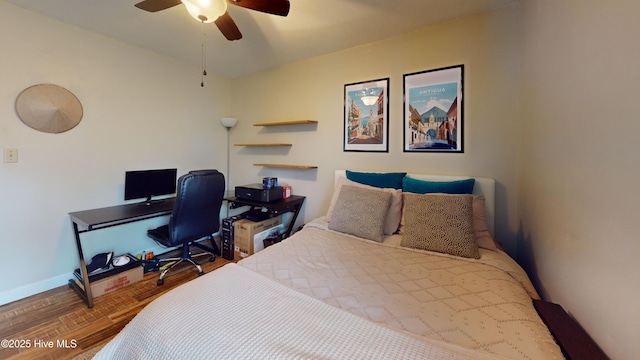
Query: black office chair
195, 216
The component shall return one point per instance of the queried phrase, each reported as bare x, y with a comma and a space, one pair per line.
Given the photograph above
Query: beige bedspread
235, 313
482, 304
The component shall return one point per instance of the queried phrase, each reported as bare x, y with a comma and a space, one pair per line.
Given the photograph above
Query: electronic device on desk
257, 215
257, 192
145, 184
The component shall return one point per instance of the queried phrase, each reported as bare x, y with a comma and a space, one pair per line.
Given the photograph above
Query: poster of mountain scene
433, 111
366, 124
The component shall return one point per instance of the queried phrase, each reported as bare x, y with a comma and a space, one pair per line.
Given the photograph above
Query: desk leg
292, 222
86, 294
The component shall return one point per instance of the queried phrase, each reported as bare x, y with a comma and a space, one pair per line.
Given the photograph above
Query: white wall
550, 113
141, 111
579, 174
487, 45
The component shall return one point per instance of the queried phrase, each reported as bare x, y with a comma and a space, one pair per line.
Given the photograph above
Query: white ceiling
313, 27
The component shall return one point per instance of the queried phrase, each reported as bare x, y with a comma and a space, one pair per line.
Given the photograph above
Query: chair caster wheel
201, 273
160, 282
212, 259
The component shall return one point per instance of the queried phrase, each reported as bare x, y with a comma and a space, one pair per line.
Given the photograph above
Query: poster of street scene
366, 119
433, 110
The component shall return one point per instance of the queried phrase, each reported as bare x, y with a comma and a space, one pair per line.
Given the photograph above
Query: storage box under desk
113, 282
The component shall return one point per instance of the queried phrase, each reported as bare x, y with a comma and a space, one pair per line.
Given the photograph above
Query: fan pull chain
204, 55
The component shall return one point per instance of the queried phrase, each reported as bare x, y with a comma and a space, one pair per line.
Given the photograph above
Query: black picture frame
433, 115
366, 116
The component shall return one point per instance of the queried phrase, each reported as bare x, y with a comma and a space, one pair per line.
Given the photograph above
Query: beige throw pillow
392, 218
483, 237
361, 212
441, 223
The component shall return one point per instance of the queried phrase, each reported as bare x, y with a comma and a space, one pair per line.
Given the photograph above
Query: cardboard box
110, 270
248, 235
114, 282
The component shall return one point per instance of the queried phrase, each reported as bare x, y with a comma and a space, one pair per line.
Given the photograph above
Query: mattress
483, 304
236, 313
323, 294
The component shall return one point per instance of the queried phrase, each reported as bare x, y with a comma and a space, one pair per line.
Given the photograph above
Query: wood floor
59, 317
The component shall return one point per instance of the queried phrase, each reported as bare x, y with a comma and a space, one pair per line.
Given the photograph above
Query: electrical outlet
11, 155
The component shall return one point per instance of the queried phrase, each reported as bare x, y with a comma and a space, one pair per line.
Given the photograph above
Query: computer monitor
145, 184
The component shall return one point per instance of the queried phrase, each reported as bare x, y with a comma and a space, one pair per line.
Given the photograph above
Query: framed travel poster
433, 111
366, 116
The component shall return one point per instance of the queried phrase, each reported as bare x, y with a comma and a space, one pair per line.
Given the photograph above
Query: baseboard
34, 288
60, 280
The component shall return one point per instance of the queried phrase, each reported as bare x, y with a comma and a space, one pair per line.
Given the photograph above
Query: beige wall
487, 45
579, 173
140, 111
565, 161
550, 113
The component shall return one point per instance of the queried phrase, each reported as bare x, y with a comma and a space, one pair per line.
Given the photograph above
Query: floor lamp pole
229, 123
228, 159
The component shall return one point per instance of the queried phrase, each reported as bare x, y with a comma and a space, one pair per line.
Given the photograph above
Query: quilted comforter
235, 313
326, 295
483, 304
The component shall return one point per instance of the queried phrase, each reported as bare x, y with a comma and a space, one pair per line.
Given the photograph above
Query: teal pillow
381, 180
447, 187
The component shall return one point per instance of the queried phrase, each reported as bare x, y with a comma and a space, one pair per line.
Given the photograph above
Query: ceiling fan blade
228, 27
275, 7
157, 5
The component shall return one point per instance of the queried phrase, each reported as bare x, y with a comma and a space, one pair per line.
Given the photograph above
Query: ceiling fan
208, 11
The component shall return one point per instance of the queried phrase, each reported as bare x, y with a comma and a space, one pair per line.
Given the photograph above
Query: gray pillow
360, 212
439, 222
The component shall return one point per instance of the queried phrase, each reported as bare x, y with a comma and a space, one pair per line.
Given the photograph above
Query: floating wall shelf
281, 123
303, 167
293, 122
263, 144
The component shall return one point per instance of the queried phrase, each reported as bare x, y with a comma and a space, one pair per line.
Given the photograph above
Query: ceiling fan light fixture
206, 11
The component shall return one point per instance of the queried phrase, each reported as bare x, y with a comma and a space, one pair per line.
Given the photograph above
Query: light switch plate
11, 155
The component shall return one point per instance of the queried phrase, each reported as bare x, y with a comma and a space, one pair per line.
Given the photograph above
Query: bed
401, 266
